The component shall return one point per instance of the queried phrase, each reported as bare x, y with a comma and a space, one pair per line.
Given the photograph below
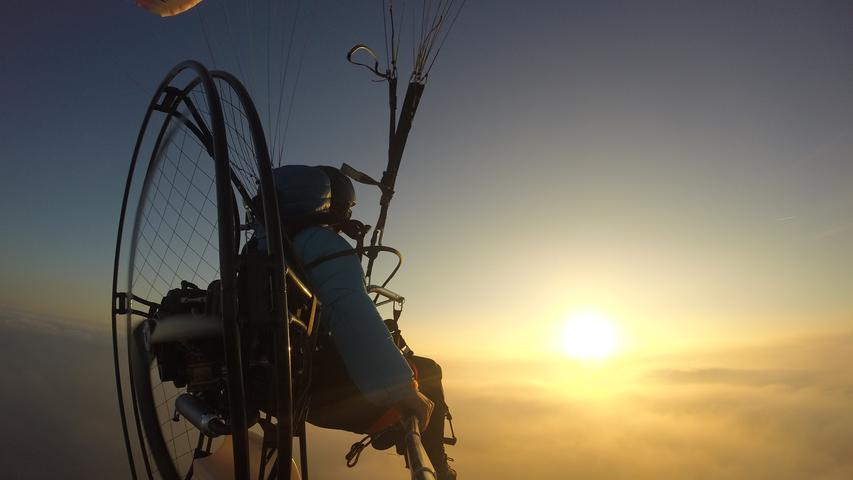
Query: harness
353, 229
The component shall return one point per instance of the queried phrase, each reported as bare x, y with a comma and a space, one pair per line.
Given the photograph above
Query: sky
681, 167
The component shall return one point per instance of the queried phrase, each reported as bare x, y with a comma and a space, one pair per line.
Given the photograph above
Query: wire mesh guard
177, 222
176, 232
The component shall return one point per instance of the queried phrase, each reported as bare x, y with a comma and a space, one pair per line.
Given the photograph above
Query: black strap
452, 440
332, 256
371, 252
352, 228
356, 449
355, 230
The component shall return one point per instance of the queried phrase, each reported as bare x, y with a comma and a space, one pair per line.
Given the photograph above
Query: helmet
343, 193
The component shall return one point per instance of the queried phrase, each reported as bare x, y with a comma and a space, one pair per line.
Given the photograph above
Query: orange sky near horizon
777, 409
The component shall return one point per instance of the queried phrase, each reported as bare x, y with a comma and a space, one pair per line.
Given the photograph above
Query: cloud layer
58, 401
780, 411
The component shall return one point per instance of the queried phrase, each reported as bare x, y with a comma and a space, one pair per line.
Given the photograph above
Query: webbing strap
369, 251
332, 256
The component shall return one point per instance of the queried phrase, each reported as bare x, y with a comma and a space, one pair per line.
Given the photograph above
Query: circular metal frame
228, 237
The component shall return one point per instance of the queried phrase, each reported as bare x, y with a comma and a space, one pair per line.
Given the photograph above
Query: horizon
626, 227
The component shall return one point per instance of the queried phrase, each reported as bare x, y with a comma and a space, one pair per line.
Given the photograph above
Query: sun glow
589, 335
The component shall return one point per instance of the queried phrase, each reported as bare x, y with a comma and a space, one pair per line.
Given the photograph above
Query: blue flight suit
372, 360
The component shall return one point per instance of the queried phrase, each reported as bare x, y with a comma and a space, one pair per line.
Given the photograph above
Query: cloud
20, 320
661, 420
60, 415
731, 376
779, 411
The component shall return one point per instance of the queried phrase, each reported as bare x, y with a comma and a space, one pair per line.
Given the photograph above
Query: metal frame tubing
283, 387
416, 456
228, 267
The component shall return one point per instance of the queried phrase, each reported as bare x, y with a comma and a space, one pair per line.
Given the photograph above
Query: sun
589, 335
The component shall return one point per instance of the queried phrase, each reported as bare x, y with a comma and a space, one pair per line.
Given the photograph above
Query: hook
375, 68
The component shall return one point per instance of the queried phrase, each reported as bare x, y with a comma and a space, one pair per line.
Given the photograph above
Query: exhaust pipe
201, 415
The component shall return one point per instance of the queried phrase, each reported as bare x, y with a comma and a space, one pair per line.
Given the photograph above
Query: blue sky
671, 159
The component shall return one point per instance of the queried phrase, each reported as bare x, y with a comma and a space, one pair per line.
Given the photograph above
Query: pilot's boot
433, 441
432, 437
443, 471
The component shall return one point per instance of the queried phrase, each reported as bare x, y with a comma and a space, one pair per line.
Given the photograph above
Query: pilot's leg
429, 381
